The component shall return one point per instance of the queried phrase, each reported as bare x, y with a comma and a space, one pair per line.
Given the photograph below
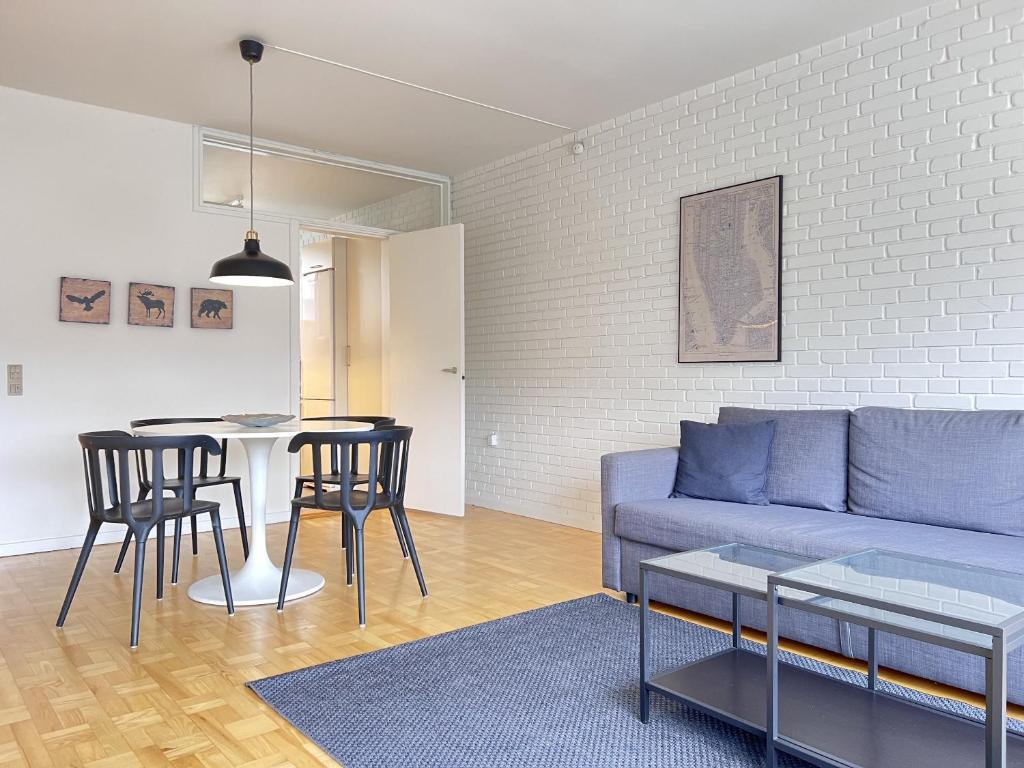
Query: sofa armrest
630, 476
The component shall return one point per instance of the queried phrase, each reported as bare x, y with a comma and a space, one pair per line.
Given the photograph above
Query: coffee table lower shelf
829, 722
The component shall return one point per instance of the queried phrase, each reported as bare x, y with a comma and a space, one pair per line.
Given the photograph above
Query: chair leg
360, 573
412, 548
143, 495
298, 489
176, 551
222, 558
76, 577
124, 551
240, 509
193, 525
398, 532
140, 567
293, 531
346, 535
161, 531
348, 548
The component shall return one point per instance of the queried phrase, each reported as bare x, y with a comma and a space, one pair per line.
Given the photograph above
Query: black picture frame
709, 355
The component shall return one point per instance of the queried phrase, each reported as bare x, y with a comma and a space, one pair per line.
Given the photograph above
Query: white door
423, 362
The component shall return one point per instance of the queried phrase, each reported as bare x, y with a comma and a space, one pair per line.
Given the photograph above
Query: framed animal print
150, 304
730, 261
213, 308
84, 301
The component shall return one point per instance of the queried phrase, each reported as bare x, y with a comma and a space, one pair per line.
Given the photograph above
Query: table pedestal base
256, 585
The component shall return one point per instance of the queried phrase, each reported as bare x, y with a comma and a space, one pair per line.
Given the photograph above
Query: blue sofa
944, 484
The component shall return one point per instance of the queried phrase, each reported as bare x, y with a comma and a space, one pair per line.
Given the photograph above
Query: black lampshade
251, 266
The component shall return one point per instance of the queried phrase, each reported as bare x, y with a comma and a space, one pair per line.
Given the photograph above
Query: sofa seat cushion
682, 524
959, 469
808, 461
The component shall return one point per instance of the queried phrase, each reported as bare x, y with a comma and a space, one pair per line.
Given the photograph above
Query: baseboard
112, 534
587, 521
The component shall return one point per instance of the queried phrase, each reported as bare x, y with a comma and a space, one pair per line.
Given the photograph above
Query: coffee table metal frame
686, 684
1005, 636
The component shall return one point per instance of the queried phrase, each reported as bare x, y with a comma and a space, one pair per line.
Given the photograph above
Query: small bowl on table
257, 419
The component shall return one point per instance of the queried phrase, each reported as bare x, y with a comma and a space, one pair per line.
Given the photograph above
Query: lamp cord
252, 202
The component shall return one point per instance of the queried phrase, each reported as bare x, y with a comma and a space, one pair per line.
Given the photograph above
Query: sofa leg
631, 598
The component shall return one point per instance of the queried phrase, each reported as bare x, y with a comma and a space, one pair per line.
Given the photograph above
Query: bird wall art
84, 301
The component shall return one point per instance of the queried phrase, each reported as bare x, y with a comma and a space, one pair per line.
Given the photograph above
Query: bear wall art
213, 308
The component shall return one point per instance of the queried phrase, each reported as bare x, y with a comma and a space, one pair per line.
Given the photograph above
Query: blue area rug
554, 687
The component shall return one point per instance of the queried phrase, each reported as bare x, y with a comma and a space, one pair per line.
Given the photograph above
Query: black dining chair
202, 479
354, 478
108, 459
388, 461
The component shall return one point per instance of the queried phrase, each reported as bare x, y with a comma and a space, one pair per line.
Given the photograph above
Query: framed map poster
730, 249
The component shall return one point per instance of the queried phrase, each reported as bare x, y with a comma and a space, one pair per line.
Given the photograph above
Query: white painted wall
92, 192
902, 151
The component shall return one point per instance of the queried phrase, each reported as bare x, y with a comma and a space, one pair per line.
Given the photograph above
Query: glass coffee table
827, 722
729, 685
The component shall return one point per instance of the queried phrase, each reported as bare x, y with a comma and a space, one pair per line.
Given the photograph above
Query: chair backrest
379, 422
204, 456
107, 459
387, 450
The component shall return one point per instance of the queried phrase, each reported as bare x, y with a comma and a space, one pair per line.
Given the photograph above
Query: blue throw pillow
724, 462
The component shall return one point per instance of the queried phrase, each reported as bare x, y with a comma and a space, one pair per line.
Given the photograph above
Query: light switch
15, 383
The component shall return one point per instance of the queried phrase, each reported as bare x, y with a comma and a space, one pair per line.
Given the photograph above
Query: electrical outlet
15, 382
494, 439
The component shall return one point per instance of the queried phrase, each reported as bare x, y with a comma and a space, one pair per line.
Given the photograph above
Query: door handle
453, 369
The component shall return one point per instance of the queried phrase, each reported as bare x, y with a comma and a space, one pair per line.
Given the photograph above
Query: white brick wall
418, 209
902, 150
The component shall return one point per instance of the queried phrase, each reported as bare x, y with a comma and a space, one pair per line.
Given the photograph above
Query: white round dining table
259, 580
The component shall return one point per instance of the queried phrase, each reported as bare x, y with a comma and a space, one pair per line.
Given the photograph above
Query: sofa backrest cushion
808, 463
958, 469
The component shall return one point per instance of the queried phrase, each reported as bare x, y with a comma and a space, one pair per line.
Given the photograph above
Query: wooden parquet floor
80, 697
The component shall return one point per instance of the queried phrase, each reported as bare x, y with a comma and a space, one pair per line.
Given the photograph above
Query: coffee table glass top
736, 567
949, 599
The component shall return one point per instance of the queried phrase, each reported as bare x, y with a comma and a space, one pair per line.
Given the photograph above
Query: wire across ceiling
418, 87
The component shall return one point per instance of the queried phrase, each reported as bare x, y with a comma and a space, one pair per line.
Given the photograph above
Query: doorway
381, 333
341, 327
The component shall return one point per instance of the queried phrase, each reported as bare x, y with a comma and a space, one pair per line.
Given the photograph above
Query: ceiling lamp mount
252, 50
250, 266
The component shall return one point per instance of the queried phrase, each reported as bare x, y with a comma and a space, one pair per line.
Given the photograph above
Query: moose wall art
213, 308
150, 304
84, 301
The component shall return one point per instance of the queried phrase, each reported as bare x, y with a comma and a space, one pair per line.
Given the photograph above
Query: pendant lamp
250, 266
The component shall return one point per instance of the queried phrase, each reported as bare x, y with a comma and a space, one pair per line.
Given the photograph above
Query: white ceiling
575, 62
295, 187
